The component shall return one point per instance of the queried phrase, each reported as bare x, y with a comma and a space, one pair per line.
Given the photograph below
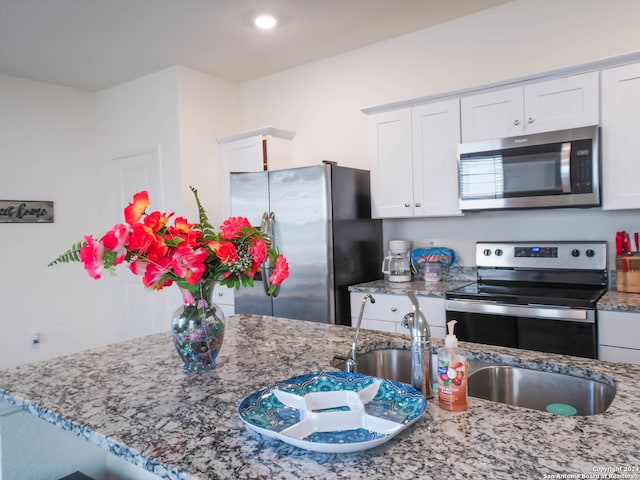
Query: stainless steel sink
546, 391
389, 363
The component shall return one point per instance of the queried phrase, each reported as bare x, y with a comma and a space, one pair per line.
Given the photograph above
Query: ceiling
95, 44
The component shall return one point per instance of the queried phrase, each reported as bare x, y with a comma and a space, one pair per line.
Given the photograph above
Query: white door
436, 134
134, 310
620, 162
562, 103
391, 164
490, 115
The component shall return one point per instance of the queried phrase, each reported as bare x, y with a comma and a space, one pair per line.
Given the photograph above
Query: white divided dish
333, 412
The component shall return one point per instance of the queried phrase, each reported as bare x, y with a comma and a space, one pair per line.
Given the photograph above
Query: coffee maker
397, 264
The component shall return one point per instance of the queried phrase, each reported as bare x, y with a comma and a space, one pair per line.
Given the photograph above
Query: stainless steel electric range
533, 295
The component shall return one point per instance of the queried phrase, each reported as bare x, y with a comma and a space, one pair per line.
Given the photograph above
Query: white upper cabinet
435, 136
620, 164
391, 164
490, 115
266, 148
413, 161
558, 104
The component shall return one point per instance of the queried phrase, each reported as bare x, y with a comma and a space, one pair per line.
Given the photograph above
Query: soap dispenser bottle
452, 374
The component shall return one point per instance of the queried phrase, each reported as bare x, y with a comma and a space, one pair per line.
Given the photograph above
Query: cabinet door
435, 137
391, 164
386, 314
388, 307
620, 162
244, 155
562, 103
434, 310
491, 115
619, 336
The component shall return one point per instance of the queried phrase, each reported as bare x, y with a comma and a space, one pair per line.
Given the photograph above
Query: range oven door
552, 329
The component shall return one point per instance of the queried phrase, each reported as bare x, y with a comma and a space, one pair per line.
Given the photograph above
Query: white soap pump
452, 373
451, 341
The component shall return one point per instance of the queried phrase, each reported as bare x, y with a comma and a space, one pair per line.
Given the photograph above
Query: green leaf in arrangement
71, 255
204, 221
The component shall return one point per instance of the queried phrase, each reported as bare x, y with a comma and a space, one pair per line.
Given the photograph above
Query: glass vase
197, 328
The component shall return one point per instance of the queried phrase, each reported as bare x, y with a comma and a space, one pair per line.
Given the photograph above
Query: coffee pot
397, 264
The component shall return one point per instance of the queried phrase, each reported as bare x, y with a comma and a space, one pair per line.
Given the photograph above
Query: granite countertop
135, 400
620, 301
420, 287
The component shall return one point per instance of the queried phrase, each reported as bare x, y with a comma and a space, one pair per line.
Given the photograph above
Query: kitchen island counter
134, 400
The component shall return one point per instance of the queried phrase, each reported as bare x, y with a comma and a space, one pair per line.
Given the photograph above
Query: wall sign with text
17, 211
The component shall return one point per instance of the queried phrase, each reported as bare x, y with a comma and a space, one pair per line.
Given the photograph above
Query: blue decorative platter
333, 412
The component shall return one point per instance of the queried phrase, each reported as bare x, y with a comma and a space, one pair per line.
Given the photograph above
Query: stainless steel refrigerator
322, 224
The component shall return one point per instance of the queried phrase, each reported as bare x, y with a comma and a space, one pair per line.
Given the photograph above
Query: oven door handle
531, 311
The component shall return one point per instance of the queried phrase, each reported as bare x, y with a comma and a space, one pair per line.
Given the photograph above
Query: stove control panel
588, 255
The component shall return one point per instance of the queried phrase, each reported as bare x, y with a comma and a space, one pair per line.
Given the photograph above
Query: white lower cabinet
387, 312
619, 336
223, 297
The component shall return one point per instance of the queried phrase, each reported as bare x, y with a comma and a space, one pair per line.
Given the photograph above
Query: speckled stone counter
420, 287
135, 400
620, 301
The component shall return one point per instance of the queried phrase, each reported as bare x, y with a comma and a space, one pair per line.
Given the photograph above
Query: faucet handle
407, 320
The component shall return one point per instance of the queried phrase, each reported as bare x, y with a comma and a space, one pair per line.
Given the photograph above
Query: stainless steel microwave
552, 169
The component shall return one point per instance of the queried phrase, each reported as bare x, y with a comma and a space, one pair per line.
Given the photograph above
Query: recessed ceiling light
265, 22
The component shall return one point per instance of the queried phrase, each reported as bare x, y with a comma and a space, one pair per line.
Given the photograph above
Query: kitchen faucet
352, 364
420, 347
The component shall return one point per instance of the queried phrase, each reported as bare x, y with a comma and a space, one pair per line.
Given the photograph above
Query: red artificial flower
134, 211
189, 264
152, 272
156, 220
115, 240
184, 230
91, 256
225, 251
157, 249
280, 272
258, 255
232, 227
141, 238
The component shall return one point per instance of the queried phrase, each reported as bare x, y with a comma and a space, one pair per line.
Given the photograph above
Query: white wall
321, 101
209, 108
47, 152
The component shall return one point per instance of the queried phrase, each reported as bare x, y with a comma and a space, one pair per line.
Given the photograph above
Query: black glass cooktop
531, 294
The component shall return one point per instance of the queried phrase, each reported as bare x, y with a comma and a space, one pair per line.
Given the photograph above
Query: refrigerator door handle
263, 224
267, 267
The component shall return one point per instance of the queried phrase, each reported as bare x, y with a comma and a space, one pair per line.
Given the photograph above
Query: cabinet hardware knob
417, 204
394, 309
530, 119
407, 205
516, 122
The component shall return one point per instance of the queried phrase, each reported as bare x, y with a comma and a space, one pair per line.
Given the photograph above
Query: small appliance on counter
430, 262
396, 265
